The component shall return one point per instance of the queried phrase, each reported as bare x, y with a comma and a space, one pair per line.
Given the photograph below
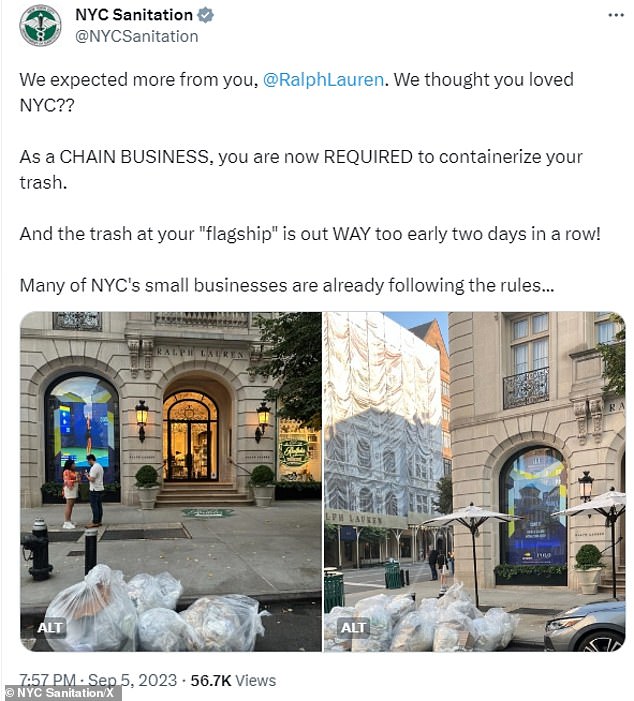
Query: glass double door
188, 448
190, 440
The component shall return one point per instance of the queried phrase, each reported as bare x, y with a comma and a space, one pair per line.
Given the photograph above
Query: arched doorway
190, 437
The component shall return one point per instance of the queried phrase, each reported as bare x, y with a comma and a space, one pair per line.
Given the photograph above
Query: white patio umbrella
472, 517
610, 504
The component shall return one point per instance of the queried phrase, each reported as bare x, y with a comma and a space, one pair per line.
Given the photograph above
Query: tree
614, 360
444, 503
294, 356
330, 533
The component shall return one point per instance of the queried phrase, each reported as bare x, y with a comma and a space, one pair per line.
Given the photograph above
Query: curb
29, 614
529, 645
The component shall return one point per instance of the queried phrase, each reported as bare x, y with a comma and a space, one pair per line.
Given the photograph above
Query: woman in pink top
70, 490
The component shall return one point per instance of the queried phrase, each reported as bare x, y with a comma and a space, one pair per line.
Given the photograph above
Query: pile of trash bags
104, 613
398, 624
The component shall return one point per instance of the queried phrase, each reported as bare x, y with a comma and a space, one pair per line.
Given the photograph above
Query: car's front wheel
601, 641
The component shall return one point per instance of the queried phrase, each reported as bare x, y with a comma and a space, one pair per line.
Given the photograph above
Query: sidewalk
535, 605
272, 554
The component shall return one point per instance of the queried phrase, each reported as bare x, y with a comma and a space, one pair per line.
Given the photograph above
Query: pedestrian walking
443, 568
95, 477
432, 560
70, 490
451, 557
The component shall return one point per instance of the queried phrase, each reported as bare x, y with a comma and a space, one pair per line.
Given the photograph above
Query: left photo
170, 481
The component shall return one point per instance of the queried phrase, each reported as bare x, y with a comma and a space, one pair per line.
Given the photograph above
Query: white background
252, 38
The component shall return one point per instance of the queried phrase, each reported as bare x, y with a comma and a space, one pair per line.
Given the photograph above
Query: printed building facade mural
382, 422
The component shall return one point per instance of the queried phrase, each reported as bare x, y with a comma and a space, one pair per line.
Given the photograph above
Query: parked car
598, 627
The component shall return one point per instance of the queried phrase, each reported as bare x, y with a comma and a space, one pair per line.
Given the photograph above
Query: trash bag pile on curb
104, 613
400, 624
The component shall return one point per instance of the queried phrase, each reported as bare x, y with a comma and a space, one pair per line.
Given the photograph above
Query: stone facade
149, 356
556, 402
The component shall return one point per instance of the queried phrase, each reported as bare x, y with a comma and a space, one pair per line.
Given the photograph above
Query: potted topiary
263, 484
148, 485
588, 566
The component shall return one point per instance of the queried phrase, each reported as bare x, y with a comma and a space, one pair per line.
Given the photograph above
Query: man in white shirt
95, 477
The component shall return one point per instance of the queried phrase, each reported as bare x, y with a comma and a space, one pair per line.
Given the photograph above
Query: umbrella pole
475, 569
612, 523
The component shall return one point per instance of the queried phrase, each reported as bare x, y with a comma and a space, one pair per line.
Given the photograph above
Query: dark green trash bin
392, 575
333, 590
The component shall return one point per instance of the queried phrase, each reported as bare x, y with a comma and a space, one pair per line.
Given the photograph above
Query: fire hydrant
37, 543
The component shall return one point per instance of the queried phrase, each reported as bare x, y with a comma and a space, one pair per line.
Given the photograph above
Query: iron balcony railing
206, 319
77, 321
526, 388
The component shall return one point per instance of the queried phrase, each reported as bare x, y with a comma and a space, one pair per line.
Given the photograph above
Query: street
372, 579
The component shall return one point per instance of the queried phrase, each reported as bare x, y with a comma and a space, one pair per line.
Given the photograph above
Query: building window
389, 463
335, 448
366, 503
529, 344
446, 467
82, 417
420, 506
391, 504
605, 329
338, 492
533, 485
446, 440
363, 453
528, 382
445, 413
299, 452
444, 388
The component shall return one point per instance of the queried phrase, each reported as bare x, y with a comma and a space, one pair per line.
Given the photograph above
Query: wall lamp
141, 418
264, 414
585, 486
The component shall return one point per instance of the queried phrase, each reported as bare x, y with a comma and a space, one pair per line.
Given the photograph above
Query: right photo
474, 481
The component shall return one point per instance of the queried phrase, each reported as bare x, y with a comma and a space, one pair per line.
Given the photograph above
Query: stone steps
605, 583
207, 494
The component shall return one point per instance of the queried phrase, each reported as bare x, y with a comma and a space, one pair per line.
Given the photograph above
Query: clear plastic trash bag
333, 641
149, 591
227, 623
415, 631
98, 613
495, 630
377, 610
163, 630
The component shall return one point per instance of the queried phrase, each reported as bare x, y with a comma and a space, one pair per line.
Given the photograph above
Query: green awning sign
294, 453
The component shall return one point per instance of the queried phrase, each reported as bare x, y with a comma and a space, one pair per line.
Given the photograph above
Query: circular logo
40, 25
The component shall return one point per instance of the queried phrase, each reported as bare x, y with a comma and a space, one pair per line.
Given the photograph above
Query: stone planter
147, 496
264, 495
589, 580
